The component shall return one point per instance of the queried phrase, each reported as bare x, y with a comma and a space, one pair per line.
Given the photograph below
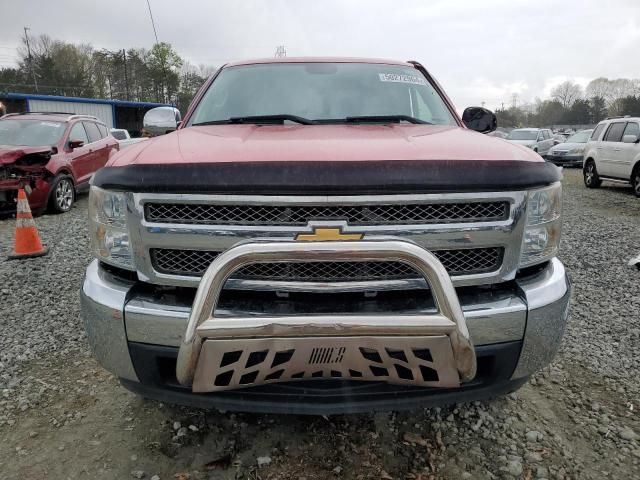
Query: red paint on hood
9, 154
317, 143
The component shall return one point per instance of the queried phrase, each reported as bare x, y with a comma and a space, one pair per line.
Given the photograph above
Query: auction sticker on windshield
397, 77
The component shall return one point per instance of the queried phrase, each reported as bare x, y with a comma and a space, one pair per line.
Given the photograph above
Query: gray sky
482, 50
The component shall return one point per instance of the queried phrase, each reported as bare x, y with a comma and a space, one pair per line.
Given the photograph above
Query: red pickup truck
325, 235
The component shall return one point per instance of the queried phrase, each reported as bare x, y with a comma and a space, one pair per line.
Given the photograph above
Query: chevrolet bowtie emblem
327, 235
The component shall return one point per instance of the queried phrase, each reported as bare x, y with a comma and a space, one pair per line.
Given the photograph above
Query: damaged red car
52, 156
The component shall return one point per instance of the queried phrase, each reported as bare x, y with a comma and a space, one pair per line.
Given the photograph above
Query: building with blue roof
114, 113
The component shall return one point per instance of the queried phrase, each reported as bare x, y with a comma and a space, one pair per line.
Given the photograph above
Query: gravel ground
62, 416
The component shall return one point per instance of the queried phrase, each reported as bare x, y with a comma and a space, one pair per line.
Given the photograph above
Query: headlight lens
576, 151
541, 237
108, 228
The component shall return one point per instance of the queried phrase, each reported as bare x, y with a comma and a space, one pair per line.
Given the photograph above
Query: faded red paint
255, 61
317, 143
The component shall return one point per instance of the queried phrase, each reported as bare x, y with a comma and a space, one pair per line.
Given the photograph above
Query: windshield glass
30, 133
523, 135
119, 134
580, 137
322, 91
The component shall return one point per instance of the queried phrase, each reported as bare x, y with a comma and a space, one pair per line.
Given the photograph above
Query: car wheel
635, 181
591, 177
62, 194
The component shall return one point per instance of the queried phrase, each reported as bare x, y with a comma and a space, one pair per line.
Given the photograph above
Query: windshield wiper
260, 119
385, 119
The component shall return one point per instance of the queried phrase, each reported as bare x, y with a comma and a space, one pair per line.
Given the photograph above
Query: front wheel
635, 181
591, 177
62, 194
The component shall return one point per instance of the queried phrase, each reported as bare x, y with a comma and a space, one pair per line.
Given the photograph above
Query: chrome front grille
477, 235
300, 215
456, 262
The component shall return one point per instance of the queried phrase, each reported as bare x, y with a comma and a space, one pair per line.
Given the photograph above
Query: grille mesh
457, 262
417, 213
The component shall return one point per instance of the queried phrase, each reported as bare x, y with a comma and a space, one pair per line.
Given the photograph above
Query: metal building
114, 113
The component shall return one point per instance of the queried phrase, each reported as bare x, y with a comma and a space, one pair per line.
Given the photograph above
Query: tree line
160, 74
570, 104
54, 67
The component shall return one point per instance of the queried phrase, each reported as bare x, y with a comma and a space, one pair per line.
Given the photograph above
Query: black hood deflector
341, 177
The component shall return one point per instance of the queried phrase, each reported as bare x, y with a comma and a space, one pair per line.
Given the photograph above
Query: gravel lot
62, 416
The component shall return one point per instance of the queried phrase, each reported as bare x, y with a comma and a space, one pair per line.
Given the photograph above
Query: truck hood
318, 143
9, 154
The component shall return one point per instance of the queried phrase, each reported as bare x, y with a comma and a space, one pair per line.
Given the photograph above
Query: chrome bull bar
210, 343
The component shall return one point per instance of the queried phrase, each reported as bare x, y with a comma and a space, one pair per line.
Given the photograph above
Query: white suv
613, 153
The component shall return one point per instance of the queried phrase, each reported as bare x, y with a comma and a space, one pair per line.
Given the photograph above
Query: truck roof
318, 60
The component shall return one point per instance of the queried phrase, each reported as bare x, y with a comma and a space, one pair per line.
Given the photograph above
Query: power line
153, 24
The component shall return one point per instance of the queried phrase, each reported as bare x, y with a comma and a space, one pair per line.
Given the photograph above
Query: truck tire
590, 173
62, 194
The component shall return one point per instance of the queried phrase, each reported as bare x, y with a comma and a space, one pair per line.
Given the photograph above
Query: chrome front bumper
534, 312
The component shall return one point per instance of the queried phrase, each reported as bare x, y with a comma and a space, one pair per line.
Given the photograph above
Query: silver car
571, 152
540, 140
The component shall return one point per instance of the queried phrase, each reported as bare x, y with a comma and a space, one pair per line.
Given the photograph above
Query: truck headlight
108, 228
541, 237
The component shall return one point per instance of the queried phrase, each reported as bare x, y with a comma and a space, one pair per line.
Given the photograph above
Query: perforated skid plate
240, 363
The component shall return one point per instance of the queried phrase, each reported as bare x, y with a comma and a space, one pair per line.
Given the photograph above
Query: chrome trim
102, 301
489, 320
449, 319
504, 233
548, 298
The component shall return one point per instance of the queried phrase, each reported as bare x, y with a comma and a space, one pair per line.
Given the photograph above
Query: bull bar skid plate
232, 352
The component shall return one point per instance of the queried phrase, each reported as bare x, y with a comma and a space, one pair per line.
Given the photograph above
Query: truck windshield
522, 135
323, 93
30, 133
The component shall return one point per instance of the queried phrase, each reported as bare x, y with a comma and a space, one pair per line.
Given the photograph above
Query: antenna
281, 51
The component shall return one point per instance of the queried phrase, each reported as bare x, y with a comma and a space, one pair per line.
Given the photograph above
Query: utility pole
126, 79
33, 73
281, 51
514, 100
502, 108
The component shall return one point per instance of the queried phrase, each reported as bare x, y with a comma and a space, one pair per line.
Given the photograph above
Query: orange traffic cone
27, 242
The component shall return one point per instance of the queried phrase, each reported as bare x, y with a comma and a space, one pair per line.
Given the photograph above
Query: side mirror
161, 120
75, 144
556, 141
629, 139
479, 119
